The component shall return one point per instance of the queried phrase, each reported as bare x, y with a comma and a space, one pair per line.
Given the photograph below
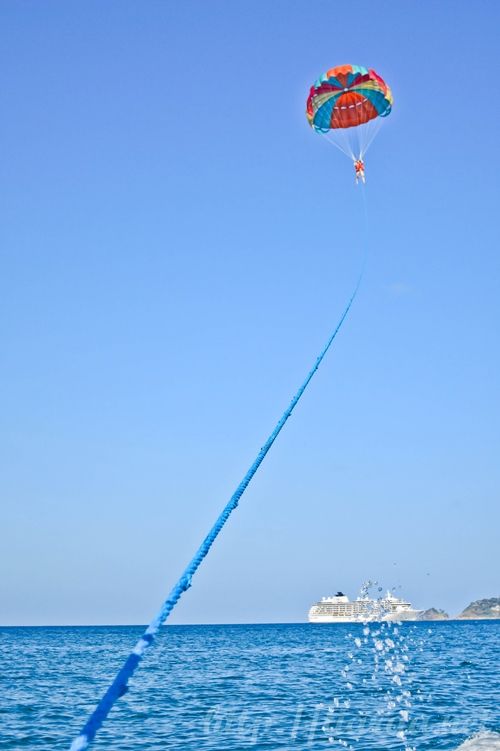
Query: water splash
376, 681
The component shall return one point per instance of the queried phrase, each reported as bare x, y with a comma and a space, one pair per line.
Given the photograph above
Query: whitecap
484, 741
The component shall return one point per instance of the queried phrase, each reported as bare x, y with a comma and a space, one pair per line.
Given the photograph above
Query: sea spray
375, 679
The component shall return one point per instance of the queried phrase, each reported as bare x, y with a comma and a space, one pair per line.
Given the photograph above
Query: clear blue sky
176, 245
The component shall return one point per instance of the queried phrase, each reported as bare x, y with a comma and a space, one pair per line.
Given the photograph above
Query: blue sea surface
235, 687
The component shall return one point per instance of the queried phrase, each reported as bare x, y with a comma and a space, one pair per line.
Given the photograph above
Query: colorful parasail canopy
347, 96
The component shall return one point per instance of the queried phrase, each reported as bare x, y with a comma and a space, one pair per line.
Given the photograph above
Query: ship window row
336, 609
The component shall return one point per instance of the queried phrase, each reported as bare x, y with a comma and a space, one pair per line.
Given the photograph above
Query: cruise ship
339, 609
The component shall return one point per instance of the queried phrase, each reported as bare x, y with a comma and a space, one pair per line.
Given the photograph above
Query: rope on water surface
120, 684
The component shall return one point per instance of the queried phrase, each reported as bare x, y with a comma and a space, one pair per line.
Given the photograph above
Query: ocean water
299, 686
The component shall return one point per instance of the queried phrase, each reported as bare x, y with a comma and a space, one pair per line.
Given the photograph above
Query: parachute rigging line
120, 684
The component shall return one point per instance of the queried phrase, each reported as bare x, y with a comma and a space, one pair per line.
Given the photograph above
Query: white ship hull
411, 615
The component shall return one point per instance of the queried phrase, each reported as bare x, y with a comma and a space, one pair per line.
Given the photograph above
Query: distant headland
487, 609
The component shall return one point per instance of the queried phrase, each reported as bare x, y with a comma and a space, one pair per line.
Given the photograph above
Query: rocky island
433, 614
488, 608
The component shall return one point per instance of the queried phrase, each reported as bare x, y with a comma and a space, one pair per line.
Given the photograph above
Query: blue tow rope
120, 683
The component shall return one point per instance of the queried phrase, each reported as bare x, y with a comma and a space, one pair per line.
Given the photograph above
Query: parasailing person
347, 105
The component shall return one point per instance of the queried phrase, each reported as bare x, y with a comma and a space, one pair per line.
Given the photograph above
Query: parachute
347, 104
